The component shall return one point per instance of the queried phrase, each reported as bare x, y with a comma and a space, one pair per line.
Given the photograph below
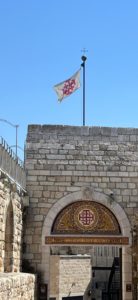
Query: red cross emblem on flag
68, 87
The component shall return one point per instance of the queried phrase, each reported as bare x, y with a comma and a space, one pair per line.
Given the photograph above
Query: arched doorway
8, 259
91, 220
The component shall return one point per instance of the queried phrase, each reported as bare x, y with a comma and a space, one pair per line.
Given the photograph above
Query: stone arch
9, 236
87, 194
108, 201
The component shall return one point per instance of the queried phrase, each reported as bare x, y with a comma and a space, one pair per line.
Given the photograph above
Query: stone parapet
18, 286
42, 132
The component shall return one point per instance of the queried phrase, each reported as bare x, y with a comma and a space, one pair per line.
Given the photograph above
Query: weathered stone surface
17, 286
13, 285
69, 275
10, 199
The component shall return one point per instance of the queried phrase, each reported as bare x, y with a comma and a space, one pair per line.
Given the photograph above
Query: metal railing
11, 152
11, 164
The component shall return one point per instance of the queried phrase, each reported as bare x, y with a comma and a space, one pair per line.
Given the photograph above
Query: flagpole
83, 65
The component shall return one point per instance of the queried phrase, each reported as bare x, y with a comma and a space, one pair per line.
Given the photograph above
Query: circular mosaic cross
86, 217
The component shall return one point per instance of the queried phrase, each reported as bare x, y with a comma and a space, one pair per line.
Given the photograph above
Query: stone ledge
40, 130
76, 256
17, 286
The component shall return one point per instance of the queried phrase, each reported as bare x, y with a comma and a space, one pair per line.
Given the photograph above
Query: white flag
68, 86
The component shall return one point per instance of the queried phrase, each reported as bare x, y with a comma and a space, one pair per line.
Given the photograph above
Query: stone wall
17, 286
10, 225
13, 285
63, 159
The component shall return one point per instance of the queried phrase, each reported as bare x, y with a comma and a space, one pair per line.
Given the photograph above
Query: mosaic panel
86, 217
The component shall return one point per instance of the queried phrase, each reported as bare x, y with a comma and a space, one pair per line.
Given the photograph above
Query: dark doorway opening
111, 285
73, 298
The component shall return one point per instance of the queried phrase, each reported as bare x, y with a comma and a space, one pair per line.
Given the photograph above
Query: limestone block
17, 286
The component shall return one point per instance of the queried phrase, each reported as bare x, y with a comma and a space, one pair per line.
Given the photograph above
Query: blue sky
40, 46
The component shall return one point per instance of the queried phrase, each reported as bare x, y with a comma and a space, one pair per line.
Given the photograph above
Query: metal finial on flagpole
83, 65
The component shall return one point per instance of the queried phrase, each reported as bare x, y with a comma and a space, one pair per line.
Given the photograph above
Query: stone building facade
96, 166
